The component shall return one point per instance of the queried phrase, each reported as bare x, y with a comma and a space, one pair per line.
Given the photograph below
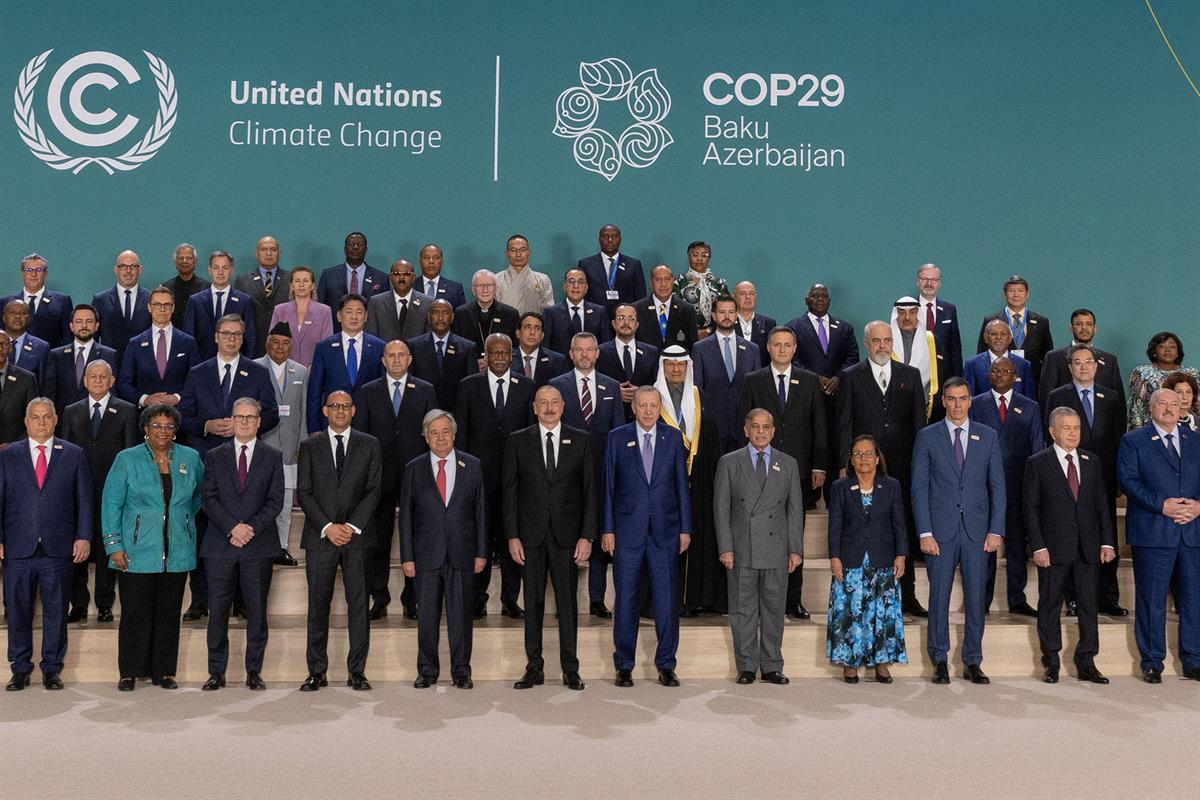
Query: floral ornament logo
610, 80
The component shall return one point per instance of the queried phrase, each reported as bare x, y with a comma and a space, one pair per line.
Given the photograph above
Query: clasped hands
583, 551
1181, 510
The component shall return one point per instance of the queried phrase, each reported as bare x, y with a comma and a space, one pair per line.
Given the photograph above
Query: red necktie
1003, 409
929, 316
441, 479
39, 468
1072, 477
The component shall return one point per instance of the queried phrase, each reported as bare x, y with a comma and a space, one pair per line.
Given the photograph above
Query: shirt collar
233, 362
103, 401
1007, 397
1058, 451
533, 354
1174, 430
1079, 387
493, 377
166, 328
580, 376
965, 425
237, 448
775, 372
754, 451
344, 434
76, 344
121, 290
641, 432
437, 338
434, 458
33, 446
346, 337
399, 297
556, 430
813, 317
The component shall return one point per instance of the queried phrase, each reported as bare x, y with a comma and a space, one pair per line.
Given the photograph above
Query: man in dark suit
433, 283
28, 351
221, 298
49, 311
338, 481
45, 526
958, 502
157, 362
1066, 519
720, 364
1056, 369
1158, 468
612, 276
794, 398
17, 387
977, 370
1031, 335
185, 283
400, 313
884, 398
441, 357
347, 360
443, 545
1102, 416
243, 494
551, 506
632, 362
750, 324
491, 406
939, 317
646, 525
533, 360
123, 310
480, 318
266, 286
62, 376
391, 408
1017, 420
102, 425
352, 276
574, 314
664, 318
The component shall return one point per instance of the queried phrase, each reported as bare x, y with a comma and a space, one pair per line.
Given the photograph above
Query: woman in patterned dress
1165, 352
700, 287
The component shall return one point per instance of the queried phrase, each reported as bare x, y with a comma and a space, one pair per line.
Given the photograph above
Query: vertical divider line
496, 128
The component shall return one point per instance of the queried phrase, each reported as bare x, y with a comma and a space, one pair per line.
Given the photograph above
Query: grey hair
231, 318
584, 335
929, 265
46, 401
34, 257
873, 323
185, 246
433, 416
248, 401
220, 254
99, 363
754, 412
1059, 413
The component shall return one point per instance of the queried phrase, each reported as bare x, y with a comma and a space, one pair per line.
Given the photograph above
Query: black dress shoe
463, 682
18, 682
850, 676
1192, 673
480, 610
378, 610
410, 610
600, 610
313, 682
941, 673
572, 681
776, 677
913, 608
1090, 674
424, 681
885, 679
1152, 675
1071, 608
104, 615
1023, 609
286, 559
167, 682
531, 678
1113, 610
689, 613
238, 611
358, 682
77, 615
126, 684
667, 677
1051, 674
973, 673
195, 611
798, 611
624, 678
511, 610
214, 682
254, 682
745, 677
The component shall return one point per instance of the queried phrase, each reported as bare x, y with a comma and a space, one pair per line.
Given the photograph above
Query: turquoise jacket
132, 509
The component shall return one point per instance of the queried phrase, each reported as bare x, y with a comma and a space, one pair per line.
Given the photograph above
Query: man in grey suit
402, 312
289, 380
759, 515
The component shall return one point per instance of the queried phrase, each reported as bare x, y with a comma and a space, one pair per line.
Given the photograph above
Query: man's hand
818, 479
241, 534
835, 566
608, 542
1041, 557
684, 541
1, 552
829, 385
794, 561
992, 543
120, 560
1107, 554
1173, 507
480, 563
339, 533
929, 546
161, 398
410, 569
219, 427
81, 550
898, 567
517, 551
583, 551
627, 390
727, 559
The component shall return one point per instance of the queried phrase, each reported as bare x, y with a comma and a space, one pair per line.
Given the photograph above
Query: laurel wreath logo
134, 157
597, 150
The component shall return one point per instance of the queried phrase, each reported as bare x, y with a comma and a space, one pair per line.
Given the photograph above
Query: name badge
612, 294
183, 469
775, 467
634, 444
1100, 395
1020, 352
565, 441
285, 411
462, 464
308, 322
1018, 410
243, 373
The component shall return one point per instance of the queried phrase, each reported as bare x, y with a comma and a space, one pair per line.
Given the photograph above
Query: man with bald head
402, 312
665, 318
978, 368
267, 285
441, 357
49, 311
479, 318
123, 309
613, 277
20, 386
752, 325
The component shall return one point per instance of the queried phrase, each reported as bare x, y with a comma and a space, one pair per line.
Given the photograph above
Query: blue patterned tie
960, 455
1087, 405
728, 358
662, 323
397, 397
227, 384
352, 362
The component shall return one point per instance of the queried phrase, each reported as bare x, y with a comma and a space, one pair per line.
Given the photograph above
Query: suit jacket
115, 329
139, 367
947, 334
318, 325
760, 326
326, 499
645, 366
1071, 529
181, 292
1148, 477
200, 323
119, 430
681, 323
290, 401
1038, 339
607, 411
638, 510
1056, 373
721, 395
879, 532
629, 284
51, 319
383, 321
333, 285
842, 352
1103, 437
761, 524
975, 371
20, 386
557, 324
54, 516
468, 324
399, 436
547, 366
481, 432
947, 500
892, 417
435, 534
202, 400
251, 284
257, 505
457, 363
1021, 435
450, 291
556, 508
58, 377
328, 373
31, 356
800, 429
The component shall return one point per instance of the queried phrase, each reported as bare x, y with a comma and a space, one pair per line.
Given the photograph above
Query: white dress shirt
641, 437
1174, 431
591, 379
103, 401
505, 380
1007, 399
86, 347
237, 450
33, 450
787, 381
733, 347
883, 375
816, 322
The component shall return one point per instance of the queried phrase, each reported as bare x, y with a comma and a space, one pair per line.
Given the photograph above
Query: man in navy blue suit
442, 358
632, 362
720, 364
45, 527
28, 351
1017, 420
939, 317
345, 361
352, 276
958, 503
62, 378
243, 494
647, 525
49, 311
205, 307
123, 309
1159, 470
574, 314
613, 277
157, 361
19, 387
750, 324
999, 341
530, 358
434, 283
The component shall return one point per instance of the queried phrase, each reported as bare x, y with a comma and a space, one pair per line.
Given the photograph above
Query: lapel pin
741, 347
335, 344
58, 447
795, 382
587, 311
629, 444
183, 469
621, 267
256, 278
234, 300
462, 464
298, 383
1100, 395
514, 380
854, 488
14, 377
410, 386
112, 411
564, 441
775, 467
1084, 457
243, 373
974, 438
1032, 321
600, 386
1018, 409
145, 344
449, 351
1152, 438
180, 355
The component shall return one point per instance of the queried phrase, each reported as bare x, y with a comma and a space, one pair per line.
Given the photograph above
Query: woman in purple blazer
309, 320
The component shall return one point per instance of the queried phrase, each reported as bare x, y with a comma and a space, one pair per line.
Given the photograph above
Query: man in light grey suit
400, 313
289, 379
759, 513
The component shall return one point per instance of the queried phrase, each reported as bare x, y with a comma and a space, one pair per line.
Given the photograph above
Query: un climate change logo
597, 150
66, 81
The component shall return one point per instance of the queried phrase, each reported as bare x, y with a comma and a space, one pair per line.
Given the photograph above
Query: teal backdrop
1058, 140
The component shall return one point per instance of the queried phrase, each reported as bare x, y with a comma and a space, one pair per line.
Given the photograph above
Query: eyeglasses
395, 274
230, 334
33, 270
339, 406
482, 286
163, 426
128, 267
625, 318
518, 250
576, 281
1002, 371
245, 417
1091, 362
161, 306
863, 453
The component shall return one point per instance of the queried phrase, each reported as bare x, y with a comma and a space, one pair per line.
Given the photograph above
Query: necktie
612, 270
782, 392
1072, 477
529, 367
929, 322
628, 363
128, 305
550, 453
160, 354
662, 322
40, 467
1003, 409
648, 456
1087, 405
397, 398
960, 455
242, 469
883, 382
402, 315
80, 363
351, 362
1171, 451
822, 336
441, 479
219, 311
576, 320
339, 455
430, 289
729, 365
760, 469
32, 304
438, 347
227, 384
354, 281
585, 402
96, 420
269, 283
1018, 332
499, 397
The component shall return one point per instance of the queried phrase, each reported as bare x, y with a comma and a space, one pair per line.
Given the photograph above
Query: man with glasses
484, 316
574, 315
402, 312
266, 286
185, 283
939, 317
123, 309
49, 311
157, 361
1056, 370
634, 363
206, 307
519, 286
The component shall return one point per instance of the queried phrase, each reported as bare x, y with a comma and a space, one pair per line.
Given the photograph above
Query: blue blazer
1021, 435
636, 509
607, 411
434, 535
842, 352
32, 356
257, 506
201, 399
549, 365
556, 324
630, 283
760, 326
949, 501
946, 332
854, 532
58, 378
139, 369
56, 515
722, 396
975, 371
333, 286
328, 373
115, 330
450, 291
1148, 478
51, 319
201, 325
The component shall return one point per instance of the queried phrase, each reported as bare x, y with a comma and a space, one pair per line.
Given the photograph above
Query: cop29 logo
607, 81
102, 131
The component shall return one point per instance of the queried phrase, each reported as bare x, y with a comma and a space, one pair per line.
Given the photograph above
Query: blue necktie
440, 355
352, 363
576, 320
728, 358
612, 272
1087, 405
1171, 451
1018, 332
960, 455
397, 397
782, 393
662, 323
227, 384
429, 290
95, 420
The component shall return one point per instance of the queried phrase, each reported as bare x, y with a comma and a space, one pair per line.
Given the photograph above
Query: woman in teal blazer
148, 513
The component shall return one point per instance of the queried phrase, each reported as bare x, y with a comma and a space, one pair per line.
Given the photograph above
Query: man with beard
635, 363
721, 363
1056, 369
918, 348
533, 360
62, 380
